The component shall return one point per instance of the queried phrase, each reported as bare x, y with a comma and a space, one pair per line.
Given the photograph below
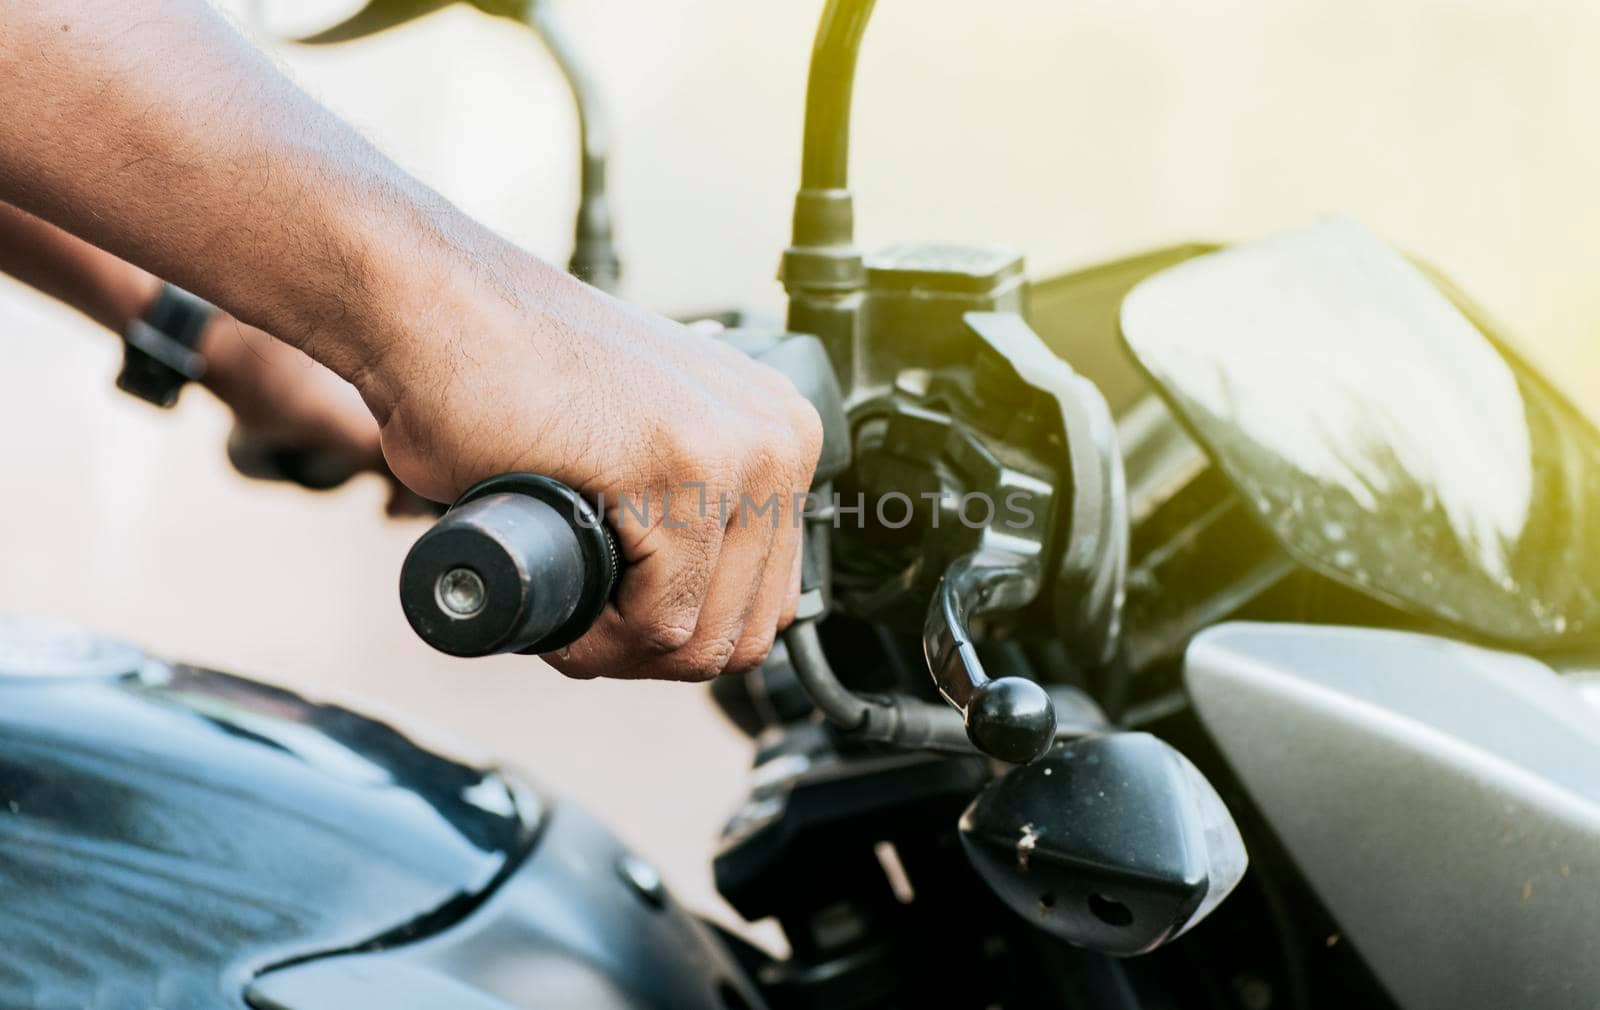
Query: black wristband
159, 353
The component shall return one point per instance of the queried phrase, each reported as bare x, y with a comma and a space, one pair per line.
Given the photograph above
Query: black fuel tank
167, 832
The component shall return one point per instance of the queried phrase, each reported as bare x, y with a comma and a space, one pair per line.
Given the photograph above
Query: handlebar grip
520, 563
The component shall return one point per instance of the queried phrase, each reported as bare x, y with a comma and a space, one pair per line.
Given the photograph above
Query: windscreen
1382, 434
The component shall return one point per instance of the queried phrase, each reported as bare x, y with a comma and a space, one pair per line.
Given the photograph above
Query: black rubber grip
520, 563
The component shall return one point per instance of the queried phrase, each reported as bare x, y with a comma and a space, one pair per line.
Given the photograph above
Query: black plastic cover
804, 361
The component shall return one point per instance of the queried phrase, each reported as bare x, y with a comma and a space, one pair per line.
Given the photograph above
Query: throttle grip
520, 563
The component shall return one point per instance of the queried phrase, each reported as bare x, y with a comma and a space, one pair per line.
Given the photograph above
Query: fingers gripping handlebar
523, 563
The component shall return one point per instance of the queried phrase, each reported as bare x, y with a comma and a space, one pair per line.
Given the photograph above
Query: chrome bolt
460, 593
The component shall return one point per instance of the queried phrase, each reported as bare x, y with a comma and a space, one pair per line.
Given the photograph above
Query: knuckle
807, 426
666, 635
766, 461
751, 651
678, 604
690, 443
695, 530
704, 661
807, 423
713, 460
786, 616
661, 441
774, 382
706, 529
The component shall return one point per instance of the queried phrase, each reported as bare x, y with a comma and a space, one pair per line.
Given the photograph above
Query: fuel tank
180, 838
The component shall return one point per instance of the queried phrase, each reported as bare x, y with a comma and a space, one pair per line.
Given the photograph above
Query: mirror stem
825, 161
822, 268
594, 253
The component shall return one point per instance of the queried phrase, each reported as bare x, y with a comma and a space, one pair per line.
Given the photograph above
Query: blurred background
1466, 132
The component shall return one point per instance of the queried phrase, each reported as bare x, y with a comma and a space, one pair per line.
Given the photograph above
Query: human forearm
278, 396
154, 131
101, 286
288, 219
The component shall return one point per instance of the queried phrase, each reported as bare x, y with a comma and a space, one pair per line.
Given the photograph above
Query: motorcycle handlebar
523, 563
506, 570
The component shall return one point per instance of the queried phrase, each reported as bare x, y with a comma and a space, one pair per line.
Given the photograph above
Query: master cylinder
916, 296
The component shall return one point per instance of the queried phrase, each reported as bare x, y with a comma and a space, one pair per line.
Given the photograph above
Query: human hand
286, 404
697, 453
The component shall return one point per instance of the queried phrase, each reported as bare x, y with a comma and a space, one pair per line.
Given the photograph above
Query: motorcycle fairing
1374, 424
1442, 799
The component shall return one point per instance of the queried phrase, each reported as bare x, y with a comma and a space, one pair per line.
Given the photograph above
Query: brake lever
1010, 718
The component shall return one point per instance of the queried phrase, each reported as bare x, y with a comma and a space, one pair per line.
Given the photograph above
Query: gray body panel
1442, 799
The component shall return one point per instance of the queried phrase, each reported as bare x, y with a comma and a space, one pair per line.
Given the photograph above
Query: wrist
438, 287
392, 258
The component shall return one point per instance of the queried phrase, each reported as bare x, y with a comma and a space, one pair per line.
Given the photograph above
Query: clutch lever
1010, 718
896, 719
